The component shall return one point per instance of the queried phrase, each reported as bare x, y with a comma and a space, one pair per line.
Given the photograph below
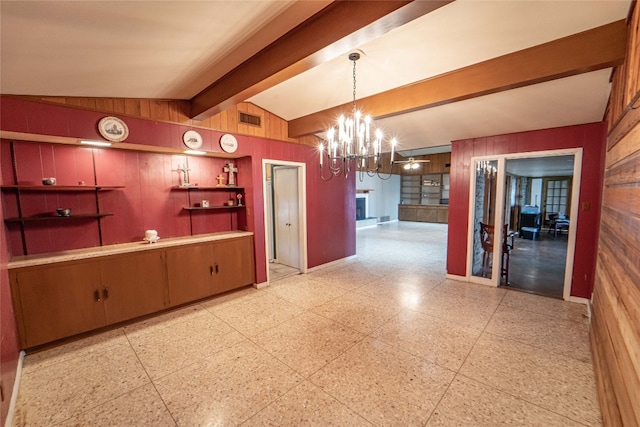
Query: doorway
285, 218
522, 216
537, 202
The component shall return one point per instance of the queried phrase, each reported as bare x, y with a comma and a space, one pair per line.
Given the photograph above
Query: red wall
8, 334
590, 137
146, 201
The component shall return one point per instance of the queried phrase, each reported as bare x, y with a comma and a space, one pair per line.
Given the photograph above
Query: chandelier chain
354, 87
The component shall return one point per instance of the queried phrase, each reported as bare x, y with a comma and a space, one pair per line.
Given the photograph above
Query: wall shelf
48, 217
216, 203
195, 188
20, 190
59, 187
200, 208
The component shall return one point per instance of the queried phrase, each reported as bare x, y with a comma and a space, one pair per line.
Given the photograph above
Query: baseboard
261, 285
14, 394
579, 300
456, 277
331, 264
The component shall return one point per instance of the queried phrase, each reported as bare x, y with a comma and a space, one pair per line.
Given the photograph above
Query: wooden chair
486, 238
557, 223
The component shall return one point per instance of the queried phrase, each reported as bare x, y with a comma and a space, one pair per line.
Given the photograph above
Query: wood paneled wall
438, 163
615, 332
177, 111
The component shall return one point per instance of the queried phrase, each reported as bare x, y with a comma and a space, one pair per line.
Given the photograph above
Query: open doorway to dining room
538, 200
522, 212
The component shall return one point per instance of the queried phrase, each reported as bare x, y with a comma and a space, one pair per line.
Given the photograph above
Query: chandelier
354, 143
486, 168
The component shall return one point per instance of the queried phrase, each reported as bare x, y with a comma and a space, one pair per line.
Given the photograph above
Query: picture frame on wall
192, 139
113, 129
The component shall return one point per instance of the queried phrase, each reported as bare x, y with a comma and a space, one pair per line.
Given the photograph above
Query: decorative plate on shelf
192, 139
228, 143
113, 129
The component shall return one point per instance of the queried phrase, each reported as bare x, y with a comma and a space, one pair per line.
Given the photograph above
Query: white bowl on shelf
151, 236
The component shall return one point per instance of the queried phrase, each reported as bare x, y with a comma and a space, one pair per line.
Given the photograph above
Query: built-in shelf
48, 217
194, 187
19, 189
217, 205
199, 208
60, 187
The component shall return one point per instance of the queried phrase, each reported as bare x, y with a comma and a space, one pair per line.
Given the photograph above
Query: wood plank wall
176, 111
615, 330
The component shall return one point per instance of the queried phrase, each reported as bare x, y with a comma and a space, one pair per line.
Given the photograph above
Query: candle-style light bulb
321, 150
394, 142
367, 123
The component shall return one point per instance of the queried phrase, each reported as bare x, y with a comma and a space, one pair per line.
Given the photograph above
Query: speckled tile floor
382, 339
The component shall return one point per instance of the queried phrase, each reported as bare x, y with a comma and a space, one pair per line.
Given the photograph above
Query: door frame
499, 209
301, 169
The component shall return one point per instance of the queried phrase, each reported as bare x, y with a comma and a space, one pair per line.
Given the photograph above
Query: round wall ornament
192, 139
228, 143
113, 129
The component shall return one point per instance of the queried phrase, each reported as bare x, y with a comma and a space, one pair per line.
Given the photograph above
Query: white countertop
99, 251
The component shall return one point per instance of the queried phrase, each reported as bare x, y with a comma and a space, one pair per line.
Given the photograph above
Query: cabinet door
59, 301
133, 285
235, 261
190, 271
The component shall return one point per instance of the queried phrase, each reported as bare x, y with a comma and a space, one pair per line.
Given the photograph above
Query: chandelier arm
331, 175
383, 178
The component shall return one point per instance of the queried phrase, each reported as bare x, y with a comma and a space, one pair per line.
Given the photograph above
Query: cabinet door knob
211, 269
96, 295
105, 292
216, 268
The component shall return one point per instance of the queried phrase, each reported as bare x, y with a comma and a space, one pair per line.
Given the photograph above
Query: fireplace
361, 208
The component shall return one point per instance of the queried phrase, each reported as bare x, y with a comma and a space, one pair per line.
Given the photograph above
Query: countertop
122, 248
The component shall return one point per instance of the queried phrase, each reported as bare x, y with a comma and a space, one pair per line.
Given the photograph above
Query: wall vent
250, 119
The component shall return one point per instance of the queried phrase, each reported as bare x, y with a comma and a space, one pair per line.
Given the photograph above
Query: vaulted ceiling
430, 71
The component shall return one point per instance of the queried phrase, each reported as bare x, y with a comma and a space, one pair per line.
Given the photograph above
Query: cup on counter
151, 236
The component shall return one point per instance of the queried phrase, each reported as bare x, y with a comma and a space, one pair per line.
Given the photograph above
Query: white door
286, 208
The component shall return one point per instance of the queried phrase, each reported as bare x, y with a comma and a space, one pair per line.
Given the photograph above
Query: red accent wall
9, 350
590, 137
147, 201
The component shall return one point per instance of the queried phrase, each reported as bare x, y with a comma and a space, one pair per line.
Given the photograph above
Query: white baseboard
456, 277
8, 422
332, 263
579, 300
261, 285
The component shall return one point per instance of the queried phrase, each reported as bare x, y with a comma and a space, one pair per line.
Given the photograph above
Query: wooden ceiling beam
591, 50
336, 29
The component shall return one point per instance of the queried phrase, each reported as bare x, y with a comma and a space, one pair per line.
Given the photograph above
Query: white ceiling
175, 49
541, 166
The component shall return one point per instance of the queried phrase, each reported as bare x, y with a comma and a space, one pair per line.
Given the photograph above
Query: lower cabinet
57, 302
424, 213
133, 286
60, 300
206, 269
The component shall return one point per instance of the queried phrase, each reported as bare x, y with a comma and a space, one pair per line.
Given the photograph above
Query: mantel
364, 191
